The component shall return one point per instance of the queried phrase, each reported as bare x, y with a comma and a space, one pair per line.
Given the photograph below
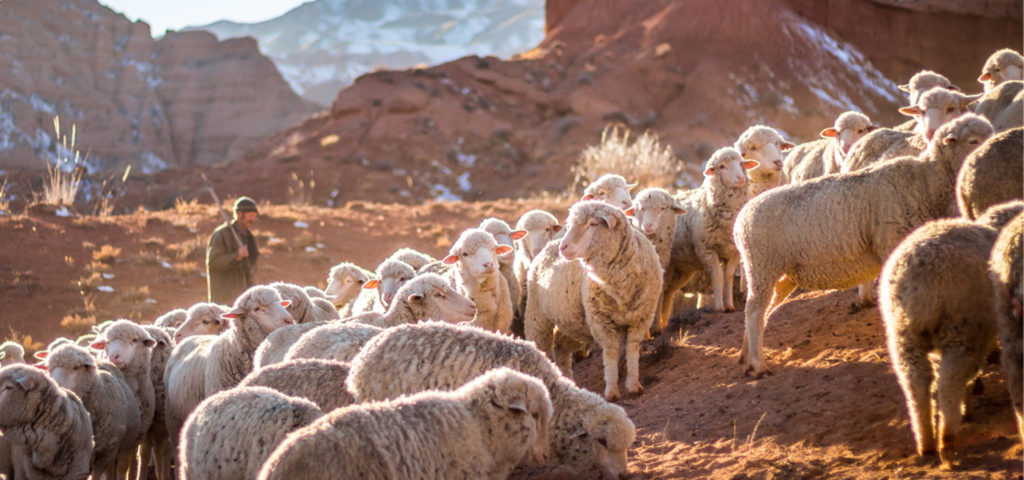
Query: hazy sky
165, 14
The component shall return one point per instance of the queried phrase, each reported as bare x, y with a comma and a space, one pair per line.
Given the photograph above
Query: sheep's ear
984, 78
42, 354
969, 99
611, 220
630, 212
578, 434
786, 146
872, 128
519, 234
587, 197
98, 345
2, 355
828, 133
371, 284
750, 164
148, 342
630, 186
286, 303
953, 88
709, 171
904, 88
415, 297
450, 259
911, 111
237, 312
676, 209
502, 249
41, 366
556, 228
949, 139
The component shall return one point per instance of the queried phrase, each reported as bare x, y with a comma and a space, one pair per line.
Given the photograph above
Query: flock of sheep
462, 367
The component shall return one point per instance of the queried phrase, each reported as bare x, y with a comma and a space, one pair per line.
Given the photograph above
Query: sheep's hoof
948, 457
635, 388
611, 394
756, 375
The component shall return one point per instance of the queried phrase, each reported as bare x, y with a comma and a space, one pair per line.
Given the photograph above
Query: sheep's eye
973, 141
950, 110
603, 442
257, 308
753, 149
439, 295
995, 70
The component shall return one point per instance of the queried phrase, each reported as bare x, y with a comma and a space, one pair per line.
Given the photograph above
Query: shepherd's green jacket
226, 277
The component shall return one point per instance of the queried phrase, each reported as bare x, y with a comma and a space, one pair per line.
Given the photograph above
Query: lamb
204, 365
764, 145
273, 348
611, 189
344, 282
934, 108
828, 154
11, 353
319, 381
588, 434
1006, 269
231, 434
202, 319
157, 441
504, 235
1003, 105
428, 296
47, 427
935, 297
171, 319
654, 211
105, 394
302, 308
811, 236
992, 174
608, 295
414, 258
378, 293
541, 227
1002, 66
482, 430
338, 341
478, 277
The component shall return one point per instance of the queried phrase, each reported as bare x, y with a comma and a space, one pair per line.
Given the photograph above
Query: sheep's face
439, 301
923, 81
527, 406
205, 321
960, 137
611, 434
268, 316
579, 241
937, 107
729, 167
766, 149
344, 286
652, 210
71, 368
388, 285
123, 343
1002, 66
20, 391
480, 262
848, 129
508, 239
611, 190
535, 241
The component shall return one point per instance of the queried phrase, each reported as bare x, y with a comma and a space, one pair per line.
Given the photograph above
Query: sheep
11, 353
301, 307
338, 341
344, 282
482, 430
1000, 214
105, 394
611, 189
827, 154
934, 108
654, 212
764, 145
477, 276
588, 434
202, 319
835, 231
204, 365
378, 293
541, 227
1003, 105
319, 381
427, 296
273, 348
1002, 66
171, 319
157, 441
992, 174
414, 258
231, 434
923, 81
935, 297
600, 283
504, 235
48, 429
1006, 269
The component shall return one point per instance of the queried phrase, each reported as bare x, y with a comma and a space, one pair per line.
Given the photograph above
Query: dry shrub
5, 199
191, 250
644, 161
31, 345
300, 191
106, 254
89, 283
134, 295
64, 177
76, 324
188, 207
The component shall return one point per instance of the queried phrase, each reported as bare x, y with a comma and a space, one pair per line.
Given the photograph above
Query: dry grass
77, 324
106, 254
5, 199
644, 161
31, 345
64, 177
191, 250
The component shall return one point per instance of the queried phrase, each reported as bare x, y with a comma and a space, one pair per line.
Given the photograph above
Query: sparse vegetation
31, 345
76, 324
106, 254
644, 161
63, 177
5, 199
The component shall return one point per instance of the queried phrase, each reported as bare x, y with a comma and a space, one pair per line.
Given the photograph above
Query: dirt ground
831, 409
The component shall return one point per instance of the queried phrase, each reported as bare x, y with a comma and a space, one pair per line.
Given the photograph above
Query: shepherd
231, 255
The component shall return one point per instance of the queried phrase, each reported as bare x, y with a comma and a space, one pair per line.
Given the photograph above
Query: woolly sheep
274, 348
477, 276
128, 346
654, 213
338, 341
1003, 105
992, 174
11, 353
588, 434
157, 442
172, 319
504, 235
922, 82
611, 189
113, 410
835, 231
599, 283
414, 258
47, 427
202, 319
319, 381
344, 282
541, 227
378, 293
482, 430
935, 297
314, 292
999, 215
764, 145
1007, 268
1002, 66
231, 434
300, 306
204, 365
428, 296
828, 154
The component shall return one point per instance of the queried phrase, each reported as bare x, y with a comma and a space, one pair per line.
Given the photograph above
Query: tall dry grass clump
63, 177
644, 161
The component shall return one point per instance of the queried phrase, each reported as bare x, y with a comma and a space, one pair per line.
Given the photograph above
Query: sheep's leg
672, 285
866, 294
161, 457
914, 374
758, 300
633, 338
610, 356
782, 289
124, 461
730, 274
561, 353
717, 279
956, 370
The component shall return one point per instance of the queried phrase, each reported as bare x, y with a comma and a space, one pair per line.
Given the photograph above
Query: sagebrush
644, 161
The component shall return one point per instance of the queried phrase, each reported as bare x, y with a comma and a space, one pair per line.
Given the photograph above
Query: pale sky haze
177, 14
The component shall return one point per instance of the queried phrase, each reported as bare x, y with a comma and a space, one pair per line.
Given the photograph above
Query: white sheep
425, 297
344, 282
477, 276
611, 189
302, 308
377, 293
935, 298
482, 430
113, 410
47, 427
654, 211
1002, 66
320, 381
171, 319
1007, 268
204, 365
828, 154
273, 348
157, 442
11, 353
994, 173
504, 235
835, 231
922, 82
1003, 105
588, 434
231, 434
541, 227
763, 145
414, 258
339, 341
202, 319
599, 283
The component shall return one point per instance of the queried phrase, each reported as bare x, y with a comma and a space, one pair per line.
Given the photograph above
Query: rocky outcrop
186, 99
